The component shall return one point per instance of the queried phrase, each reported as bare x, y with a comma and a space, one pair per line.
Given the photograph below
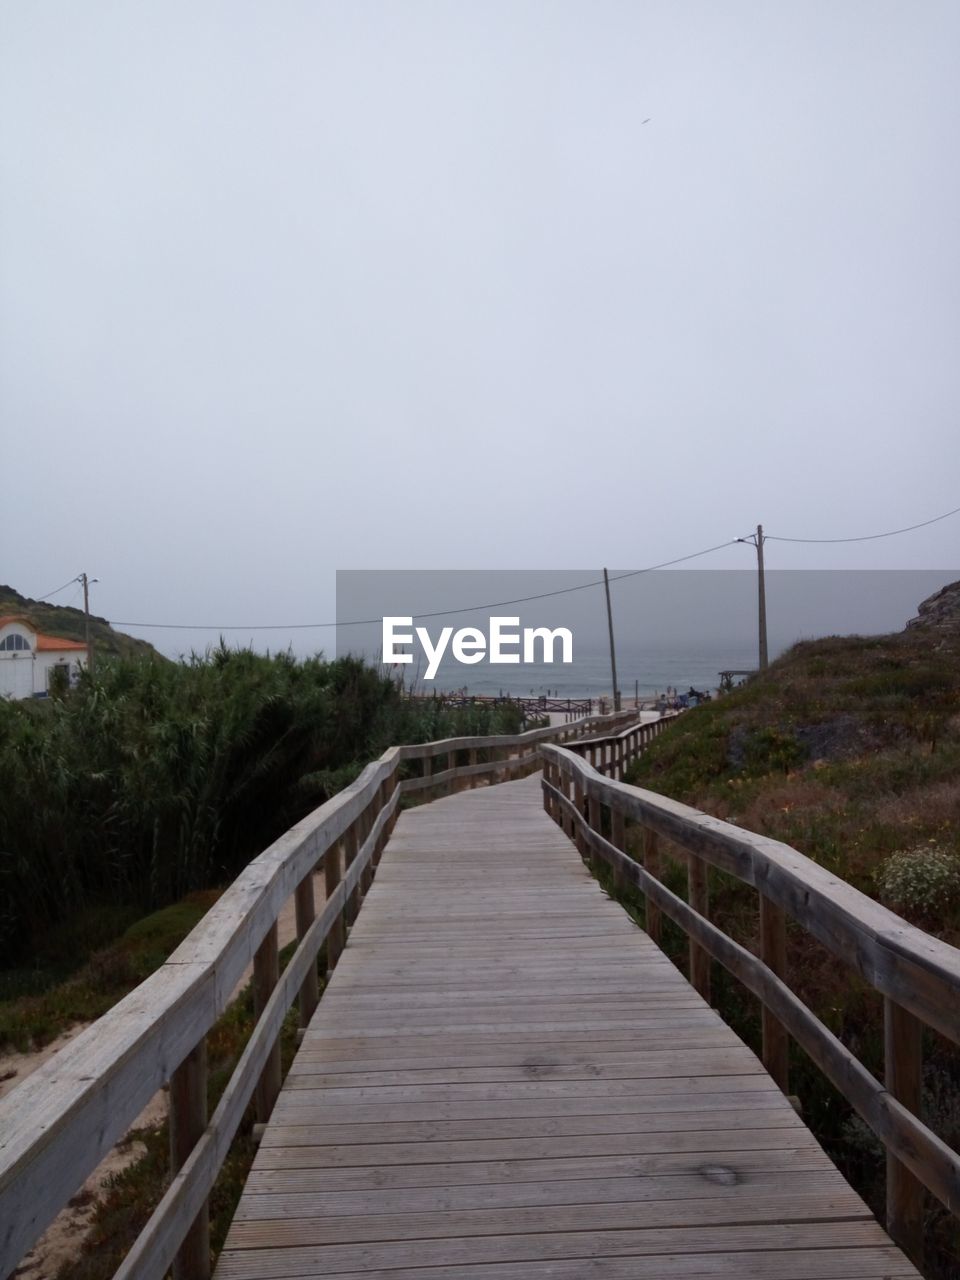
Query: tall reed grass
154, 779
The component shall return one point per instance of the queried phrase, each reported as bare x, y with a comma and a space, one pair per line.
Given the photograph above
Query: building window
14, 641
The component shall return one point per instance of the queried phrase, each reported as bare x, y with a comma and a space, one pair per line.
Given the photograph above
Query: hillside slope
56, 620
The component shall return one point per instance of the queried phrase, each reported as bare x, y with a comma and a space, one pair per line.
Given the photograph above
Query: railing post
266, 975
618, 838
351, 846
383, 795
473, 779
697, 898
595, 819
188, 1119
651, 862
306, 912
578, 803
427, 763
332, 873
391, 786
773, 953
366, 875
903, 1062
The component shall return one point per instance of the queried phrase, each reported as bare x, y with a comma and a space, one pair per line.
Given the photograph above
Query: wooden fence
917, 975
535, 705
611, 754
57, 1126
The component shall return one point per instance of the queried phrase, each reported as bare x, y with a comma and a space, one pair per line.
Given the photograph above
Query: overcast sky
294, 287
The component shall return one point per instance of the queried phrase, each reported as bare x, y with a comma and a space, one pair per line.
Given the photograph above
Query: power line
439, 613
869, 537
40, 599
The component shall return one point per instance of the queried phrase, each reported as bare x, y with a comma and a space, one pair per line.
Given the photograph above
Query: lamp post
87, 583
613, 655
757, 540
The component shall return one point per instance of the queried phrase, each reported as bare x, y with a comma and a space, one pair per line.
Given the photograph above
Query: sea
640, 670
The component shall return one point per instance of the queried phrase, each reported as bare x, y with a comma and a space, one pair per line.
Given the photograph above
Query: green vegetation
31, 1020
152, 780
848, 750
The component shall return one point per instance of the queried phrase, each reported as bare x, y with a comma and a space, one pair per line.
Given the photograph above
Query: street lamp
757, 540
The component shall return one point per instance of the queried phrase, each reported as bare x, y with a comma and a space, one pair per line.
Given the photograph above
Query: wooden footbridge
505, 1078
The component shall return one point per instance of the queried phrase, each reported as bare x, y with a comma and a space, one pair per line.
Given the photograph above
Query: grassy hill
846, 748
69, 624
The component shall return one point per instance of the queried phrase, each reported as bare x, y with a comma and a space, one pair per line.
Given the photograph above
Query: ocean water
651, 670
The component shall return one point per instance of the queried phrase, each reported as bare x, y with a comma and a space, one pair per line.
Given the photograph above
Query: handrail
918, 975
610, 753
63, 1119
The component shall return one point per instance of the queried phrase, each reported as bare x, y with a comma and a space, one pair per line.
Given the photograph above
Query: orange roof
43, 642
56, 642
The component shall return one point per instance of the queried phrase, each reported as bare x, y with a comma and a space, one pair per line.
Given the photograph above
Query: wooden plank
271, 1263
817, 1205
863, 1263
381, 1154
763, 1162
313, 1107
712, 1180
298, 1129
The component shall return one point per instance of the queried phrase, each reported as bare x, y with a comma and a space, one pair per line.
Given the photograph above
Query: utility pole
613, 656
757, 540
86, 613
761, 600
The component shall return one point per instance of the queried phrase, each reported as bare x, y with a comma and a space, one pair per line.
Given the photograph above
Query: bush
154, 779
922, 881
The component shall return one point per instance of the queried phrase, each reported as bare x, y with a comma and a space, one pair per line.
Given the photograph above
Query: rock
941, 611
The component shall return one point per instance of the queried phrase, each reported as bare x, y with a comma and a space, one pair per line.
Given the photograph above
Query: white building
28, 658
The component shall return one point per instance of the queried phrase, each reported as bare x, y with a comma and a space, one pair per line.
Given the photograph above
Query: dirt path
63, 1238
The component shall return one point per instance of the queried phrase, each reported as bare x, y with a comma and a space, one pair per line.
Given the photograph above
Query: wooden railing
917, 975
63, 1119
611, 754
535, 705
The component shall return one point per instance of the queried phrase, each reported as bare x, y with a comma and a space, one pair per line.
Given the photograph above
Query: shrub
923, 881
152, 779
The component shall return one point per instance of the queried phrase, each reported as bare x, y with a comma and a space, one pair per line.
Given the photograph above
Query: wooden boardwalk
505, 1078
